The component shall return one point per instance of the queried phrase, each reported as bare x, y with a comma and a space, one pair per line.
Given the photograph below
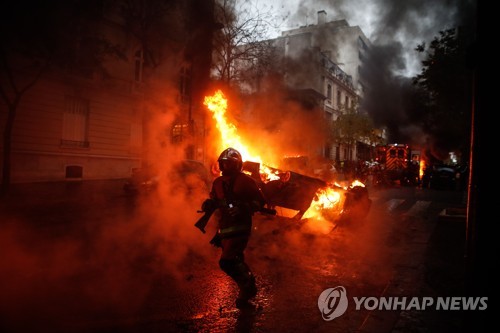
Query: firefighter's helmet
230, 161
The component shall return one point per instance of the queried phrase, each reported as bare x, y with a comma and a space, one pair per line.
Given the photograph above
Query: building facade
327, 58
345, 45
147, 107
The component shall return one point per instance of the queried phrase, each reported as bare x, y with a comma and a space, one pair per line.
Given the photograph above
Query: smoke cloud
395, 29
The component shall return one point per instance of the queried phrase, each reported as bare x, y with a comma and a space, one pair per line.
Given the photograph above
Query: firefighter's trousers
232, 262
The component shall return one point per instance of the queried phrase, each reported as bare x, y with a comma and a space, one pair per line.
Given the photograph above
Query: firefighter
237, 197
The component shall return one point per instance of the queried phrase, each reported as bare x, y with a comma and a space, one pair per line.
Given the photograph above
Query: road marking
393, 204
418, 208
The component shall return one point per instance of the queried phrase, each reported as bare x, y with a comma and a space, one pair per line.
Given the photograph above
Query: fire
326, 199
329, 199
217, 104
422, 168
357, 183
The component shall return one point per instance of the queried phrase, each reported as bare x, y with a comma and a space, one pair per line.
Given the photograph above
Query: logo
332, 303
420, 303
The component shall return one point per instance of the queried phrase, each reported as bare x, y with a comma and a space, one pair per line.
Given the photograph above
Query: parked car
185, 176
445, 177
442, 178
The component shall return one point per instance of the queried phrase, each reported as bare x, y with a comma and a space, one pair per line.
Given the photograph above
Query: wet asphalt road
92, 259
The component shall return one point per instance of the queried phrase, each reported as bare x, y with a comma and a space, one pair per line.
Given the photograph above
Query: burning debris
313, 198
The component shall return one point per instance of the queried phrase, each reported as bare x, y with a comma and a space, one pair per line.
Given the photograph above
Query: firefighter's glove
208, 205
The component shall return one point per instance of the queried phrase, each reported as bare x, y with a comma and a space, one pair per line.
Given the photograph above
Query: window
178, 132
329, 92
328, 151
75, 122
74, 171
338, 99
346, 101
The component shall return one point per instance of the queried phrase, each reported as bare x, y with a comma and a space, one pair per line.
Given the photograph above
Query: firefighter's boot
239, 271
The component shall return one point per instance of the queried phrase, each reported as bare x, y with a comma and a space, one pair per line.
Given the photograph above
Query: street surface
87, 260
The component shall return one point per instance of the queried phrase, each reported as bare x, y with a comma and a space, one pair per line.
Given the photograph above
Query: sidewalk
436, 266
51, 192
37, 201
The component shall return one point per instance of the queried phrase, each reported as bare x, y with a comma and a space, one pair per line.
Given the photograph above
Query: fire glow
326, 198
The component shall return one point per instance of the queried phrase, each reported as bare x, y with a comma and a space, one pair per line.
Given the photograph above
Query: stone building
146, 108
327, 58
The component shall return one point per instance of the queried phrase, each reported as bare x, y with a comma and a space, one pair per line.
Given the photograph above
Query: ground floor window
75, 122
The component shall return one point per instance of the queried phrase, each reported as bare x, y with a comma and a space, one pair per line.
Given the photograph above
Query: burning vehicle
300, 197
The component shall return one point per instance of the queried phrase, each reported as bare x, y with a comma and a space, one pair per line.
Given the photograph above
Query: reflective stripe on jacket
235, 230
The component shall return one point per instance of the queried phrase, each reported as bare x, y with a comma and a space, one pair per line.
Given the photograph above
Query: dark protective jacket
242, 192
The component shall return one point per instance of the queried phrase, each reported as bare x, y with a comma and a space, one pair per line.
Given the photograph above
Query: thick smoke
391, 22
395, 28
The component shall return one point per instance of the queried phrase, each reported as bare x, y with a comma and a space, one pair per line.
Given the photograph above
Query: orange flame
217, 104
357, 183
422, 168
325, 198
